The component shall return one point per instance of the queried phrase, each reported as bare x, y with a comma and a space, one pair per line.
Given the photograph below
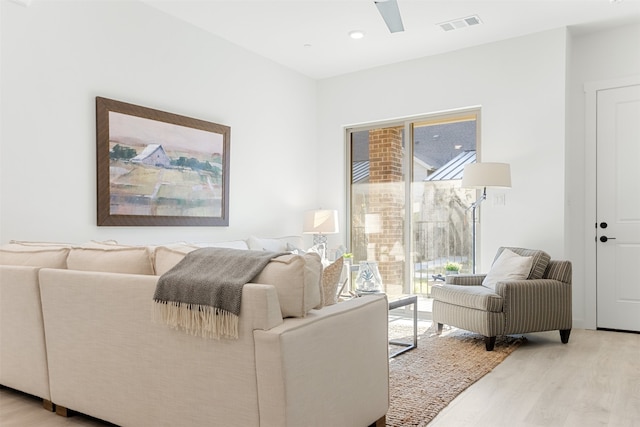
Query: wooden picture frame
160, 169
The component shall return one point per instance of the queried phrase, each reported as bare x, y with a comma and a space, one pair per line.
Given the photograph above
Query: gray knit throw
202, 293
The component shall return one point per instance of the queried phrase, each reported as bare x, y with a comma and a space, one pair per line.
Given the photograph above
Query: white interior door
618, 208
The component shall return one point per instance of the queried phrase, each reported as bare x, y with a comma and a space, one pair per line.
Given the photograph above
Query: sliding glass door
408, 213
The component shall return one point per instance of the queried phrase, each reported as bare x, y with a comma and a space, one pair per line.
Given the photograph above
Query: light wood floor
592, 381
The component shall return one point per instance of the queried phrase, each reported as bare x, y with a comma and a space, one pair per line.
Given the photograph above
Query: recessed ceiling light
356, 34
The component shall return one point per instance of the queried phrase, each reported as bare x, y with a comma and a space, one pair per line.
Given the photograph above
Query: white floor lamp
483, 175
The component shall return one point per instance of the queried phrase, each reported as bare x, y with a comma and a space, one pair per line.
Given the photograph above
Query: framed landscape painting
160, 169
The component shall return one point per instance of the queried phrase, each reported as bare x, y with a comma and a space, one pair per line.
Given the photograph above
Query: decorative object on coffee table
369, 280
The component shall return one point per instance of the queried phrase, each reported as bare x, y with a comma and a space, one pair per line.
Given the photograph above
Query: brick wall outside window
387, 201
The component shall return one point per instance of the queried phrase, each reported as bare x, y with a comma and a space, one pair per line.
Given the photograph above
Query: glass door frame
407, 160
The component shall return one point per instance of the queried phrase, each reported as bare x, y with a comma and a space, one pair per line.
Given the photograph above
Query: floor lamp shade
481, 175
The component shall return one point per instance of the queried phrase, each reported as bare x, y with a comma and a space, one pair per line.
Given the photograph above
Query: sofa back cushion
111, 259
33, 255
167, 256
539, 264
297, 281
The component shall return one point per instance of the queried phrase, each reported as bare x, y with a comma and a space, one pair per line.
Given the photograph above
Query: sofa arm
328, 369
465, 279
23, 356
535, 305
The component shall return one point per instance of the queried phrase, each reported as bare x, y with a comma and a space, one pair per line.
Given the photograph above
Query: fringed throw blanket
202, 293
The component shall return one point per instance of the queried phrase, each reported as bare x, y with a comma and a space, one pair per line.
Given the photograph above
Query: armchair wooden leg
564, 335
489, 343
439, 328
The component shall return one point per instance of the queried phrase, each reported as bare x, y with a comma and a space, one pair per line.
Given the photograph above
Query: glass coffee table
404, 301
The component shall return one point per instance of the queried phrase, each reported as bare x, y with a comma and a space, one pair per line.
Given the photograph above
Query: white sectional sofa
77, 330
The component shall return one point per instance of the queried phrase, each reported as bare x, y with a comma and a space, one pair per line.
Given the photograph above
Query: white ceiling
311, 36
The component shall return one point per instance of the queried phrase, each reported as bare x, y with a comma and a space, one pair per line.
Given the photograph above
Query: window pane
441, 221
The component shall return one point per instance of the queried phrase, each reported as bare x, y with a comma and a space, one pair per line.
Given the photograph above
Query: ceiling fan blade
391, 14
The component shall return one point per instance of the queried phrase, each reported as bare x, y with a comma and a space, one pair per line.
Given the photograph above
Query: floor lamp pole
473, 207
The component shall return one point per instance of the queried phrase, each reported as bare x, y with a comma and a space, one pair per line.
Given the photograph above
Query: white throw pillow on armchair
508, 266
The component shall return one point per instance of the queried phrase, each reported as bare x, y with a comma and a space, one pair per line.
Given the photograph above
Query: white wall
594, 57
520, 85
58, 56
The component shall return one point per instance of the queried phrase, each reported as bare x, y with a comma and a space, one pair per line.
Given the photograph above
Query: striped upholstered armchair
525, 291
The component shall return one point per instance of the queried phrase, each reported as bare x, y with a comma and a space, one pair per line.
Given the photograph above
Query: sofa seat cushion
477, 297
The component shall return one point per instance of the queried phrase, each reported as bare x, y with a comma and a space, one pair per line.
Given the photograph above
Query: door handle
605, 238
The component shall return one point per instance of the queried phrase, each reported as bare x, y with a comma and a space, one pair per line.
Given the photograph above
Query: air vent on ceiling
460, 23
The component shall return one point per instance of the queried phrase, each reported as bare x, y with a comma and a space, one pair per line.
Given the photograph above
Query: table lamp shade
321, 221
480, 175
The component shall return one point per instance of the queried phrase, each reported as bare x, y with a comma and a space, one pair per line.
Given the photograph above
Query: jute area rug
424, 380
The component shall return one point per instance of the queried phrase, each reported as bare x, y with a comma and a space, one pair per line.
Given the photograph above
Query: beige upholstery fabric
23, 356
297, 281
166, 257
130, 260
108, 244
350, 377
34, 255
33, 243
109, 360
